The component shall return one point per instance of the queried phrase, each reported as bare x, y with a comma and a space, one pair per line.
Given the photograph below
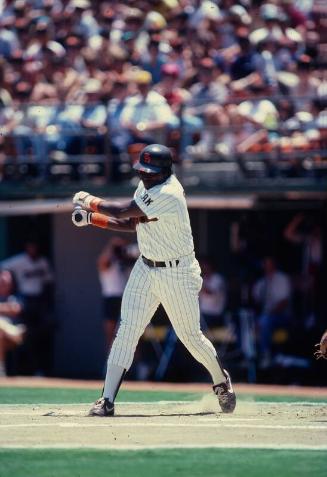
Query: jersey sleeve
155, 205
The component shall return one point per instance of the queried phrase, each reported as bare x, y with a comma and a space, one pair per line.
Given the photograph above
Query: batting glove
81, 217
83, 199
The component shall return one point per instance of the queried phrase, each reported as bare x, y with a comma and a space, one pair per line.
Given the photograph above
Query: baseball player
166, 272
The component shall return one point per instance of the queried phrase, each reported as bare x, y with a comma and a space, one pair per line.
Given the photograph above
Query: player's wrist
94, 203
99, 220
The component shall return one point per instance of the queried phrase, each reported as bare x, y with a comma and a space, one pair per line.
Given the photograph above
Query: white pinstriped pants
177, 288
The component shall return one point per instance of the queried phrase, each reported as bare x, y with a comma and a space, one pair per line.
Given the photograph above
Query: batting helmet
153, 159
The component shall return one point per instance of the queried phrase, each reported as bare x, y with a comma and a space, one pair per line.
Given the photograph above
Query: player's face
150, 180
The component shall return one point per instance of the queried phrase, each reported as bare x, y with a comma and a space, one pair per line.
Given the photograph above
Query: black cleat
103, 408
225, 394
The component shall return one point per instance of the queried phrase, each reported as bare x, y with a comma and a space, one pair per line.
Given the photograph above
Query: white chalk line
140, 447
113, 423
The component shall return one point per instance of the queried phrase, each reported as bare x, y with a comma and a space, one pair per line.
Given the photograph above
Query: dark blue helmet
154, 158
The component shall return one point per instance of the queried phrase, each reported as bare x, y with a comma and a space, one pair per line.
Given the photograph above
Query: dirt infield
166, 425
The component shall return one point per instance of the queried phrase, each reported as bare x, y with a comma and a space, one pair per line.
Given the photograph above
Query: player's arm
322, 347
113, 209
81, 218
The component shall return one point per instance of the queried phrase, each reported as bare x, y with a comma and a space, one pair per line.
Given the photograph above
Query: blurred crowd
206, 77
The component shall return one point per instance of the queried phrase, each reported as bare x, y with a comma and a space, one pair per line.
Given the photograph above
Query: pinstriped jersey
169, 237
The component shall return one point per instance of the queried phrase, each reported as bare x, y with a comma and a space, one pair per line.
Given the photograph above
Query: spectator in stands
5, 95
47, 52
169, 87
64, 129
90, 57
154, 59
270, 16
203, 107
272, 295
176, 96
147, 116
244, 62
133, 21
11, 329
212, 295
259, 110
306, 89
118, 137
84, 22
93, 118
8, 38
34, 279
176, 56
111, 266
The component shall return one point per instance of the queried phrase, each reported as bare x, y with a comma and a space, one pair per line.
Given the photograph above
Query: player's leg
138, 307
183, 310
179, 293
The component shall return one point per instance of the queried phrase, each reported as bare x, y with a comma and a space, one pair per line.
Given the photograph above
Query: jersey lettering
146, 199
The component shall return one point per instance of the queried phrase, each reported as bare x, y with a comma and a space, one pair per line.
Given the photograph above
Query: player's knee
128, 333
191, 337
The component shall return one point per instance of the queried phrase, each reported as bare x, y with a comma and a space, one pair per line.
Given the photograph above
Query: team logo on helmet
147, 157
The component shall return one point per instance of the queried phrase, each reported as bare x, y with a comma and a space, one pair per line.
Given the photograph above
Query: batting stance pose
166, 272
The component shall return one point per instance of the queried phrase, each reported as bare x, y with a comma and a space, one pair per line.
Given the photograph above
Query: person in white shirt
34, 280
147, 116
113, 277
31, 270
166, 272
272, 293
212, 295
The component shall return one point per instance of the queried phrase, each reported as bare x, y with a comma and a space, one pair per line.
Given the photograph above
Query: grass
27, 395
74, 396
162, 463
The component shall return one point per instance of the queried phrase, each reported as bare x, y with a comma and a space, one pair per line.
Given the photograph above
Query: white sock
114, 377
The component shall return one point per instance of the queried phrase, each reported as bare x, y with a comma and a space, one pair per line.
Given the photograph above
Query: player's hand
322, 347
144, 219
83, 199
81, 217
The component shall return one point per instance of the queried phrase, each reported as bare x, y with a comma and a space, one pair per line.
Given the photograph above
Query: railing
240, 152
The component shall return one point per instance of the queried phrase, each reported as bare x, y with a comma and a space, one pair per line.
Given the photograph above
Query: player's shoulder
170, 189
172, 185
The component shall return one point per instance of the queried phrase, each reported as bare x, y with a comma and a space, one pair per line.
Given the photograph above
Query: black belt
152, 263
